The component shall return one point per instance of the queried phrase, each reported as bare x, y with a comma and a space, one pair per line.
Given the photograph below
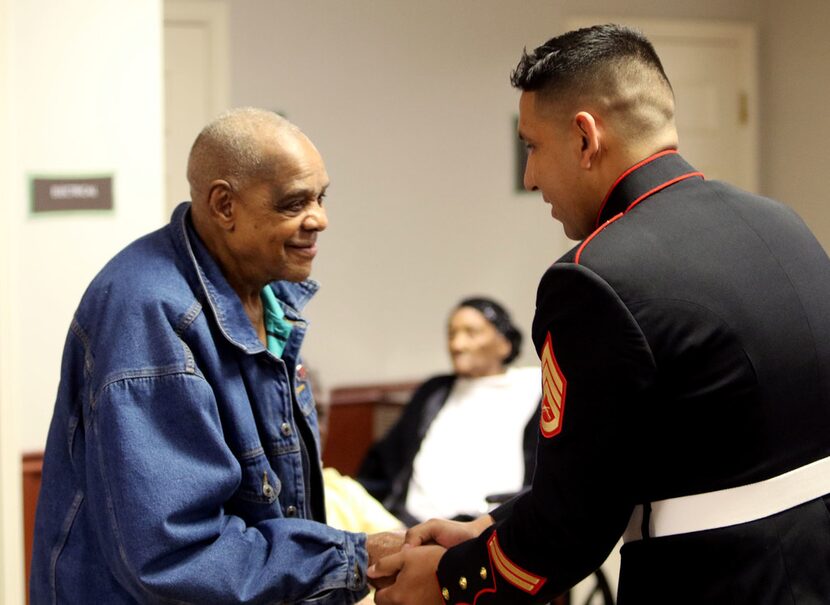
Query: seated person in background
464, 436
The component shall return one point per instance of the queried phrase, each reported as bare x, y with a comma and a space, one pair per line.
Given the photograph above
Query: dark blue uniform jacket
686, 347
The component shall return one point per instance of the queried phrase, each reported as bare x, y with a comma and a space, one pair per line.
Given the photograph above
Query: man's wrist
482, 523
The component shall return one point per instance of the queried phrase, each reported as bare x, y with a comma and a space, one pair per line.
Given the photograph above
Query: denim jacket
182, 461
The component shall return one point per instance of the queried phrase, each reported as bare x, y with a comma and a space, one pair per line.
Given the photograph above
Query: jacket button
462, 583
291, 511
285, 428
445, 593
267, 488
483, 573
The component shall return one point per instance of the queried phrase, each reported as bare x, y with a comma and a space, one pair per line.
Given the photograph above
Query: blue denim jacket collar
220, 297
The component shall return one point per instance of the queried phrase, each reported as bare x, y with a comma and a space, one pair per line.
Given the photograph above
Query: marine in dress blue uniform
685, 351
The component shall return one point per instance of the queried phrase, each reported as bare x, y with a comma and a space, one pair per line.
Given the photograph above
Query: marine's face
477, 348
277, 221
553, 165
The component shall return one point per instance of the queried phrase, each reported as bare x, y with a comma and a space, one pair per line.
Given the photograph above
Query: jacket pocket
257, 497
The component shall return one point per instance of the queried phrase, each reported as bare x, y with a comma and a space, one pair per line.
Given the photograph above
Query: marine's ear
590, 137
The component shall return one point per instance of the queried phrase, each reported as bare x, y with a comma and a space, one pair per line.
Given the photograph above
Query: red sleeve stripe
515, 575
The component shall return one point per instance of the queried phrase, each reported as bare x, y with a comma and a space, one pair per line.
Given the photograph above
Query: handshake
402, 566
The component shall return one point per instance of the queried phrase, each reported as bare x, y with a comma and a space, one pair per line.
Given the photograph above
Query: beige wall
411, 107
795, 127
80, 93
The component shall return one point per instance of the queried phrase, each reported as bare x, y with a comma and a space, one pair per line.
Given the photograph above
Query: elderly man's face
275, 234
477, 348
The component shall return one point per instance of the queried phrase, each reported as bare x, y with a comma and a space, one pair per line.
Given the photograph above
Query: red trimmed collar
649, 175
637, 184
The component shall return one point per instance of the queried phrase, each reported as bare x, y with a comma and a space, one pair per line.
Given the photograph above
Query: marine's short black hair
565, 63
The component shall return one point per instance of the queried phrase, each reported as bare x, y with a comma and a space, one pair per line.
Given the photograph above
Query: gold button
483, 573
462, 582
445, 593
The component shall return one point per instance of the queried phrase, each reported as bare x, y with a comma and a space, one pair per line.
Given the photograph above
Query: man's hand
447, 533
382, 545
414, 572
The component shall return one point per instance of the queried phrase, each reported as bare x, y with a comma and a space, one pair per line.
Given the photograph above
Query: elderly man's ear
220, 201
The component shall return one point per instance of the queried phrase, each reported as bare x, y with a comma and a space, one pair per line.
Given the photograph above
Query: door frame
213, 16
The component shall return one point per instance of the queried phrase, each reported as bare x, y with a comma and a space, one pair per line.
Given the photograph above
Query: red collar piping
625, 174
677, 179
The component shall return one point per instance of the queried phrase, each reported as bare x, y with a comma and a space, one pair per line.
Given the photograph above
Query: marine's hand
447, 533
415, 581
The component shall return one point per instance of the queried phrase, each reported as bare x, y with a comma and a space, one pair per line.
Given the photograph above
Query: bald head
611, 70
257, 185
240, 147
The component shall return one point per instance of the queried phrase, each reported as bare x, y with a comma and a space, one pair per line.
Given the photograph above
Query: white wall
87, 76
795, 87
11, 563
411, 107
81, 88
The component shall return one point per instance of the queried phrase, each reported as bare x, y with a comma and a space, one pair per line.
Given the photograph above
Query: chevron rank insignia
554, 387
512, 573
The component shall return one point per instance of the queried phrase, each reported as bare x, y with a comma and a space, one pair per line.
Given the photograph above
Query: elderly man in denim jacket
182, 464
